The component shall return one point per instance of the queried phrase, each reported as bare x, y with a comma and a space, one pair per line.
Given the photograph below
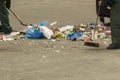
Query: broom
94, 33
21, 22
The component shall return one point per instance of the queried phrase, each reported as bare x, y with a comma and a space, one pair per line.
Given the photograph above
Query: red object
91, 44
108, 32
103, 27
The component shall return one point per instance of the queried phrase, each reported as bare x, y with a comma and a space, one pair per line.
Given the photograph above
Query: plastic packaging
46, 32
13, 34
65, 28
44, 23
108, 32
85, 37
91, 25
53, 23
103, 27
77, 34
58, 35
32, 32
7, 38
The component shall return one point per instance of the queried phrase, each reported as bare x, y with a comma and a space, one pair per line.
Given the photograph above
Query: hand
8, 3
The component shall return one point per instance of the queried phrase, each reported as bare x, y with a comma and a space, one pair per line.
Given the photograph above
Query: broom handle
96, 22
12, 11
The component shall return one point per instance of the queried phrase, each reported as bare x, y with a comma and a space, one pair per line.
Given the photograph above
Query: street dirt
43, 59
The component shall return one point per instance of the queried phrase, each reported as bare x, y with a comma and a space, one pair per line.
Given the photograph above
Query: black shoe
107, 24
1, 29
8, 31
112, 46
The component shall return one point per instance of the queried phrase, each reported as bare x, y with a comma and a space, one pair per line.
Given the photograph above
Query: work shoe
112, 46
1, 28
107, 24
8, 31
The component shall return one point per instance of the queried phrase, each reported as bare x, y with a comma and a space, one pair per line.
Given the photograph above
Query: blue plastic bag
75, 35
33, 33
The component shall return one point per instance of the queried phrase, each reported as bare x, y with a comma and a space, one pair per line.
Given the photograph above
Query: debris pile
82, 32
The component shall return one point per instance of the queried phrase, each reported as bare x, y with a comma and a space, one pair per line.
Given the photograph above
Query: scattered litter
53, 23
108, 32
75, 35
62, 47
44, 56
58, 34
33, 32
48, 33
1, 37
57, 51
65, 28
82, 32
53, 40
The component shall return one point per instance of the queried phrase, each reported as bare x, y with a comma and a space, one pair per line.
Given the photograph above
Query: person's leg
115, 27
101, 18
4, 18
1, 27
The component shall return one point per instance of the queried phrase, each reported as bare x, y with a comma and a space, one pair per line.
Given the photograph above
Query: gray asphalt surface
42, 59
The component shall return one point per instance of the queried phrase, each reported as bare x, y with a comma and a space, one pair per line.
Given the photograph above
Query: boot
113, 46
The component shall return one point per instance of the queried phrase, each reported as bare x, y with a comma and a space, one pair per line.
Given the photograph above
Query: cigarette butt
91, 44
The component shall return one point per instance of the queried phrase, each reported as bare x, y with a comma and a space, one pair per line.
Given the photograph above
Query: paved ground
60, 60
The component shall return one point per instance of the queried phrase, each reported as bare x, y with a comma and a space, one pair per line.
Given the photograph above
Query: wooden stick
12, 11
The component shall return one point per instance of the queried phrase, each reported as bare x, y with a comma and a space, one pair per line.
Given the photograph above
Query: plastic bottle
53, 23
44, 23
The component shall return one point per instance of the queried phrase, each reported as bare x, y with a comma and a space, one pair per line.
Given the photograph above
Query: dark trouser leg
102, 19
115, 25
4, 18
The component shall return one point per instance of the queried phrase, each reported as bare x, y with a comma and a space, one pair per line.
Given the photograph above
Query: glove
8, 3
